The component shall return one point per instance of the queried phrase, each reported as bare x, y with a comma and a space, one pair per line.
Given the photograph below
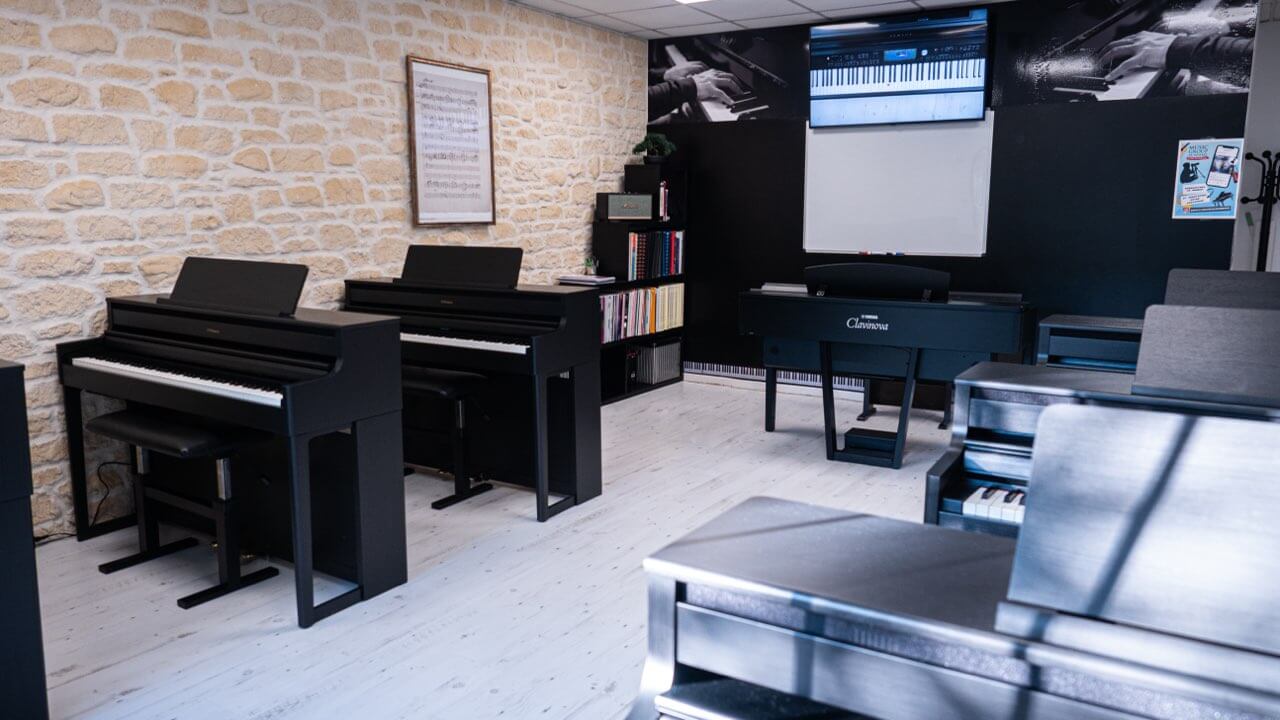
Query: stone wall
136, 132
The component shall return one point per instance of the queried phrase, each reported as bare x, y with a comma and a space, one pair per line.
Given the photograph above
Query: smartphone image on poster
1223, 168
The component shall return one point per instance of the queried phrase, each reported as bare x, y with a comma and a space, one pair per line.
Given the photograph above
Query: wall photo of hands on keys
1099, 50
726, 77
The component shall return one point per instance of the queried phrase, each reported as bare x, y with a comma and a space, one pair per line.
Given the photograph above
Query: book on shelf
587, 279
640, 312
655, 254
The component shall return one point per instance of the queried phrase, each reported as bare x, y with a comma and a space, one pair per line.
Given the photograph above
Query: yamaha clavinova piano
1209, 361
538, 345
1111, 343
219, 348
22, 680
1144, 585
877, 321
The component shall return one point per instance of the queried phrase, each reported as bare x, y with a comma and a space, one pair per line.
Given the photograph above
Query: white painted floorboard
502, 617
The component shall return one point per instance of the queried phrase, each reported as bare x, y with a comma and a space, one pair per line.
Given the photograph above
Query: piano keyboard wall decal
785, 377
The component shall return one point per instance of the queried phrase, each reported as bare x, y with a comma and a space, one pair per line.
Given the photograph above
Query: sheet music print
453, 145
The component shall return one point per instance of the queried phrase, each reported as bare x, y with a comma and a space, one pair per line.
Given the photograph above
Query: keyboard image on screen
916, 68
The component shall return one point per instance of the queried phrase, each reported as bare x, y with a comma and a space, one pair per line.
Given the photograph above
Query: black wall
1080, 219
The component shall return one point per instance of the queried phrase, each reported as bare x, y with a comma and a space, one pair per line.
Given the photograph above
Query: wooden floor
502, 616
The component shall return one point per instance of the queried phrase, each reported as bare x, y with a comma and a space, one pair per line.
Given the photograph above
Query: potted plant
655, 147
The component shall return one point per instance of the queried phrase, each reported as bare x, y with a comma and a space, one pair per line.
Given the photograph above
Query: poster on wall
1208, 179
1055, 51
730, 77
450, 143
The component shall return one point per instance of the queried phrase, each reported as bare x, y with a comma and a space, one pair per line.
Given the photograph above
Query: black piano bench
456, 387
184, 437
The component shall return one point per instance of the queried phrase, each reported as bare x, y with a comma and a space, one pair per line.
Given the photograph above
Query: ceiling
669, 18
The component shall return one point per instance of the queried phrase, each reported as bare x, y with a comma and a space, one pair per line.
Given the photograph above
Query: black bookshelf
609, 245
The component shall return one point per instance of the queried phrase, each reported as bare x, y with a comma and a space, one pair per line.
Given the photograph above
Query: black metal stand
1268, 196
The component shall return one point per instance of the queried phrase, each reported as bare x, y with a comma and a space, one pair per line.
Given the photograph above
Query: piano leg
908, 396
659, 673
588, 475
950, 407
380, 523
303, 563
542, 456
868, 407
828, 399
74, 416
770, 398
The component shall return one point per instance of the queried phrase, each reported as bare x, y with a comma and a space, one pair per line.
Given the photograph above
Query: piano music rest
455, 387
148, 431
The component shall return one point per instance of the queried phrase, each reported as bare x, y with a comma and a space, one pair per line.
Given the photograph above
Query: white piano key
1009, 506
182, 380
971, 502
922, 76
482, 345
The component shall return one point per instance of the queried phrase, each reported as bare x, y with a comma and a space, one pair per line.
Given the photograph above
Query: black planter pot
654, 159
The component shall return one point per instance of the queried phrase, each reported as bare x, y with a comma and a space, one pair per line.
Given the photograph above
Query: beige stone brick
162, 225
244, 241
117, 97
233, 7
141, 195
336, 100
27, 231
175, 166
346, 41
54, 263
268, 62
103, 227
342, 156
10, 64
160, 269
50, 301
295, 93
23, 174
150, 134
291, 15
49, 92
74, 195
304, 195
90, 129
17, 202
196, 53
115, 71
245, 89
210, 139
179, 95
252, 158
181, 23
16, 125
105, 163
149, 48
296, 160
83, 39
340, 191
19, 33
384, 171
324, 69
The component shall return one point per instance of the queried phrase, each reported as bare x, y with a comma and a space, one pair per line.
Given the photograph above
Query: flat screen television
924, 67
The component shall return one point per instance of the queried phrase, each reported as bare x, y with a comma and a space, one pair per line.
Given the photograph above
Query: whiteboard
913, 189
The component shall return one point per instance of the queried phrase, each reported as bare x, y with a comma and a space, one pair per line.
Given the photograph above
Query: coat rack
1268, 196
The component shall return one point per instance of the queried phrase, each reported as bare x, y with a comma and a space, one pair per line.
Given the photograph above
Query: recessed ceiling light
689, 2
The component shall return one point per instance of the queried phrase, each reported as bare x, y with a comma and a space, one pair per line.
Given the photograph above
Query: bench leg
462, 487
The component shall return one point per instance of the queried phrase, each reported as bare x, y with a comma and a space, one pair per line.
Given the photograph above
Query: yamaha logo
867, 322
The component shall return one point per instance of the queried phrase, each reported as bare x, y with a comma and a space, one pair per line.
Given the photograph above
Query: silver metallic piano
1145, 584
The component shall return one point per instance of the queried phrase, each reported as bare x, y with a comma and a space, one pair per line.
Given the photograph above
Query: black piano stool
457, 387
184, 437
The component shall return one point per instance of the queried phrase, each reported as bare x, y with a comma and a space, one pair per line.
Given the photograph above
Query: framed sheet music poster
450, 143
